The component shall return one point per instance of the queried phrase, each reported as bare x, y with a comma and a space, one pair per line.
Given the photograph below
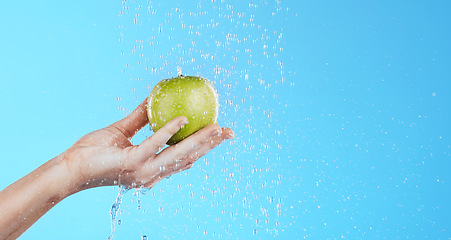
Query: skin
105, 157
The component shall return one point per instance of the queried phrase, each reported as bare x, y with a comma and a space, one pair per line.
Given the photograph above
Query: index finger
158, 140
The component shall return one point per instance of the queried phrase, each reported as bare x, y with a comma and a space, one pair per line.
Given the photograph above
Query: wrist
81, 173
64, 182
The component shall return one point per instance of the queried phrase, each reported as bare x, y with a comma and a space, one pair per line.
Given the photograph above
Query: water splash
115, 208
179, 71
138, 193
231, 45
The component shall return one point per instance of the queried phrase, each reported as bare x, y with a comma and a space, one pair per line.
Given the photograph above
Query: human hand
107, 157
104, 157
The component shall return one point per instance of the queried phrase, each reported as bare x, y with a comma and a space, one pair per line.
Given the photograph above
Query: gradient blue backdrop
340, 108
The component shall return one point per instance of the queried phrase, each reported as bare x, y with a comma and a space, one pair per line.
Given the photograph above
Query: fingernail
230, 135
183, 123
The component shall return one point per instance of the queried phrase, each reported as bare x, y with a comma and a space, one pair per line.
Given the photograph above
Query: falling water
114, 210
233, 46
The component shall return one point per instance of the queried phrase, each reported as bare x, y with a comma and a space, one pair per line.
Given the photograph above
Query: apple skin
192, 97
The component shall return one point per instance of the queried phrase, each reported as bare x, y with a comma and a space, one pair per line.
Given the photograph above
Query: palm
100, 153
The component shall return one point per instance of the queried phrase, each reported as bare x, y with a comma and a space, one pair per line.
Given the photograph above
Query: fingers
178, 157
188, 162
158, 140
134, 121
189, 150
184, 148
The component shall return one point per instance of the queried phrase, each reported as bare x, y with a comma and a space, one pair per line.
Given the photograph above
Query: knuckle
180, 156
157, 146
189, 165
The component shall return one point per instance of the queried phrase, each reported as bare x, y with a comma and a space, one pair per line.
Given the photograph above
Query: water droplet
179, 71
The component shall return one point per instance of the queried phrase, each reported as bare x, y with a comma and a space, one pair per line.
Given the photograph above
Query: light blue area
340, 109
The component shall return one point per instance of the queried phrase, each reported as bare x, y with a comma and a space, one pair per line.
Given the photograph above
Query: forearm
25, 201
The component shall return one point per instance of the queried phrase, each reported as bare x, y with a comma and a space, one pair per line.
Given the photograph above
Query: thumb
134, 121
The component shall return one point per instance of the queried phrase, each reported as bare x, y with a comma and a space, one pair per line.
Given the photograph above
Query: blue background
340, 108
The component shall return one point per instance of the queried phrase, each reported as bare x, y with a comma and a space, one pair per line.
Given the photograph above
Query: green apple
192, 97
